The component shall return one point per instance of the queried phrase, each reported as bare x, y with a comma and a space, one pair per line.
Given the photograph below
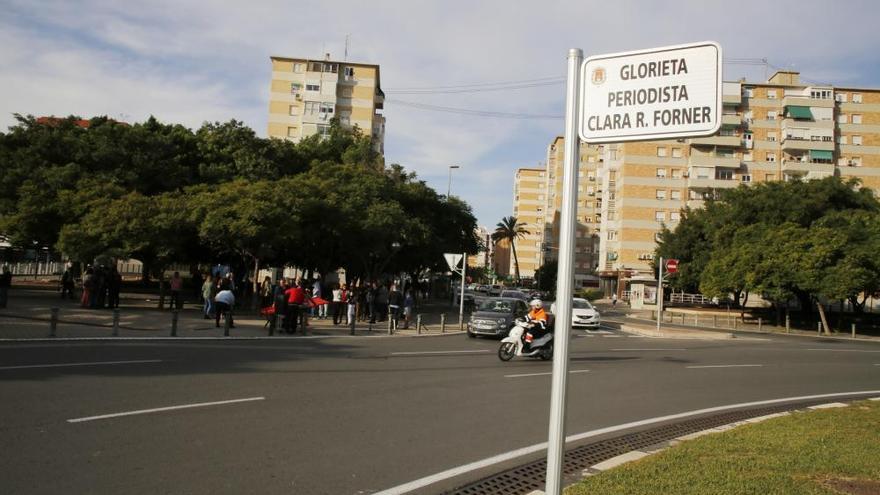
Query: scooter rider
537, 319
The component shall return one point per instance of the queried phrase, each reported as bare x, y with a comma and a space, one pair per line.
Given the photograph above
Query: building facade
306, 94
529, 202
781, 129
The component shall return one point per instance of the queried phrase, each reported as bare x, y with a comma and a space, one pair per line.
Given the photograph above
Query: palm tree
510, 229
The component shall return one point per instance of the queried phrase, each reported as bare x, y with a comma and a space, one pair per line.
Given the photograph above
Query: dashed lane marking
428, 353
64, 365
162, 409
543, 374
726, 366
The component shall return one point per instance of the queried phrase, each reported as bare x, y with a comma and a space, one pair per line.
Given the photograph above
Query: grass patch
803, 453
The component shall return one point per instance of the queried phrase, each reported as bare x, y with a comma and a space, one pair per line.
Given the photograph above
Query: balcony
733, 99
718, 140
807, 124
707, 183
795, 144
806, 101
802, 167
731, 120
713, 160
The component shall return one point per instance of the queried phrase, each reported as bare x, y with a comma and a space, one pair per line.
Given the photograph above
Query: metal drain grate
524, 479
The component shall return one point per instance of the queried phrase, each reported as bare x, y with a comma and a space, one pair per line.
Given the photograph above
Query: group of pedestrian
100, 287
219, 297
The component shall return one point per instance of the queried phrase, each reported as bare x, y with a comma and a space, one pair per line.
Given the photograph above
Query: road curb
675, 333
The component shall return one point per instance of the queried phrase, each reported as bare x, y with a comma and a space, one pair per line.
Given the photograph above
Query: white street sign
452, 260
661, 93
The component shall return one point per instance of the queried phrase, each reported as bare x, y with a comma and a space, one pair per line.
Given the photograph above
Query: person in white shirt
224, 301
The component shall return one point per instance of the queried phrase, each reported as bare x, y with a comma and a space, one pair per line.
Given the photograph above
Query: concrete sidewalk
28, 316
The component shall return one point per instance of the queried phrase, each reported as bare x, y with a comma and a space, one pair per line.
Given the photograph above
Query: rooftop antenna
347, 40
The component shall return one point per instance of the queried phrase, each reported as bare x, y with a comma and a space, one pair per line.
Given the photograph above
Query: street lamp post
449, 184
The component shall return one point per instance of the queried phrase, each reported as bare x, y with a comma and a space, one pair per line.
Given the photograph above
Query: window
820, 94
591, 191
298, 67
840, 97
771, 94
771, 115
316, 66
842, 140
326, 108
857, 118
855, 161
348, 72
311, 108
313, 87
843, 118
771, 136
660, 194
324, 131
332, 68
675, 194
658, 236
857, 97
660, 216
746, 178
661, 151
748, 92
599, 204
612, 215
296, 88
294, 110
676, 173
676, 152
748, 157
661, 173
749, 116
346, 92
771, 157
612, 235
725, 175
857, 140
674, 216
292, 132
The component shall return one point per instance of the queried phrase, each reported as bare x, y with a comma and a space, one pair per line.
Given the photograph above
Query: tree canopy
782, 240
162, 193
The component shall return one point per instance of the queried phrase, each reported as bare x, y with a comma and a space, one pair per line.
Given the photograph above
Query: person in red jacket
296, 297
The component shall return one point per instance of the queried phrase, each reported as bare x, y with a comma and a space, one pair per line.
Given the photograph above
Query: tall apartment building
778, 130
588, 209
305, 94
529, 201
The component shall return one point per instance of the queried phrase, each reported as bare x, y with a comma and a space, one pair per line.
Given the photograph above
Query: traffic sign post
661, 93
671, 266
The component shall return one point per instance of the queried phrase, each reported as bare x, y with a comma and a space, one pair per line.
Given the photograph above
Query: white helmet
536, 303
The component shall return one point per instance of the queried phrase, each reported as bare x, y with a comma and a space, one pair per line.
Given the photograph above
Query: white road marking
727, 366
543, 374
162, 409
63, 365
843, 350
532, 449
437, 352
646, 349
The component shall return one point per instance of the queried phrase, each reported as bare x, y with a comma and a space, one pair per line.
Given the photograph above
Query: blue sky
189, 62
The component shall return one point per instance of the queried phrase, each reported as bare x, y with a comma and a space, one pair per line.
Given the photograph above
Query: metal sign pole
461, 302
660, 294
565, 281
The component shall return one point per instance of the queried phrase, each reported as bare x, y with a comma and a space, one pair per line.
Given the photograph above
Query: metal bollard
442, 322
116, 323
275, 323
419, 324
226, 324
696, 320
174, 316
682, 319
760, 324
352, 326
53, 322
819, 327
714, 321
787, 323
853, 326
390, 323
734, 323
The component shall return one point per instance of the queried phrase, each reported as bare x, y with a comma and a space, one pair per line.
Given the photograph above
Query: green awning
821, 155
799, 112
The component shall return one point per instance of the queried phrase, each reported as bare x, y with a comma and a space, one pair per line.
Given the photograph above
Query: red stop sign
671, 266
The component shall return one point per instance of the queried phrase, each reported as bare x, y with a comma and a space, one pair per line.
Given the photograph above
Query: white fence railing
682, 298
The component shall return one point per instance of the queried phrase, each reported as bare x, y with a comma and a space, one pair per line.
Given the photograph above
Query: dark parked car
495, 317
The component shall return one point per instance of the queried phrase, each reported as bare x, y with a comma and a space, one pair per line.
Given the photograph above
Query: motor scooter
515, 343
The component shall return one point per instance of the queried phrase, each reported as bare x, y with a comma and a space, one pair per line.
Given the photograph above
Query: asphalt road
357, 415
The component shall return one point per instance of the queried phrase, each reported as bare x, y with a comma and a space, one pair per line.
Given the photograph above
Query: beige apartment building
529, 201
781, 129
305, 94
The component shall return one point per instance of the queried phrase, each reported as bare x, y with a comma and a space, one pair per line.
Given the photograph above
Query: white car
583, 314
